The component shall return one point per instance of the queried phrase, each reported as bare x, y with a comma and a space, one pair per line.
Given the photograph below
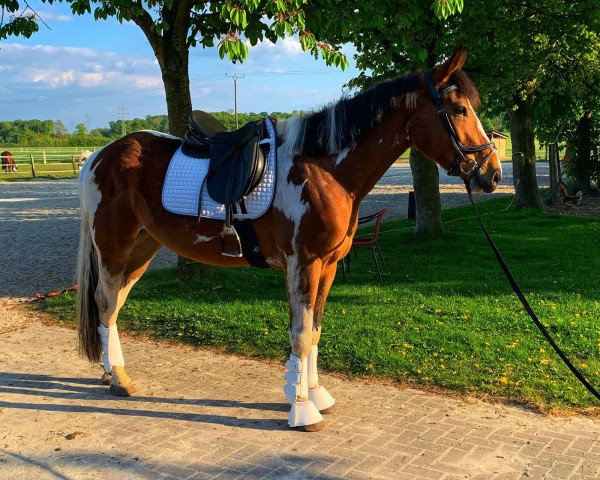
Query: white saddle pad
185, 176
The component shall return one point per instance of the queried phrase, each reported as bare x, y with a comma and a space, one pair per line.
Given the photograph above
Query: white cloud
53, 17
52, 67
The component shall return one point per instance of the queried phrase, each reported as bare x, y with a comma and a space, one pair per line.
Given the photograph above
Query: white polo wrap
112, 355
317, 393
296, 381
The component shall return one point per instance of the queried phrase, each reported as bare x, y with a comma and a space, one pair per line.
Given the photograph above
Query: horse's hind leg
111, 294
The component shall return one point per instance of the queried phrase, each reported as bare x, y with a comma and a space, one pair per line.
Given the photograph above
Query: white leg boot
303, 413
112, 355
318, 394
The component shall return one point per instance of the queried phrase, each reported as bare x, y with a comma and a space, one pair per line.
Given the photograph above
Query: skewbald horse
327, 163
8, 162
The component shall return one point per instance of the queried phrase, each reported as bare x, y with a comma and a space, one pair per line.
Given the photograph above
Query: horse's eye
460, 110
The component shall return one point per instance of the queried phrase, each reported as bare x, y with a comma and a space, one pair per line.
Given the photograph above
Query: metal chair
364, 240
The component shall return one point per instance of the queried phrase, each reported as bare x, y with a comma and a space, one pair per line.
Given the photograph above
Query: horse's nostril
496, 178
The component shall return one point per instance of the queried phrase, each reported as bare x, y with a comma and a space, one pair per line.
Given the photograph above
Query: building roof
495, 134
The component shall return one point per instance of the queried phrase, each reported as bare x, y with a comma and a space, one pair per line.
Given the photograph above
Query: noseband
459, 158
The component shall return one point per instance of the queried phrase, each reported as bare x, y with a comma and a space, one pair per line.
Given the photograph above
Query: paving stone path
201, 414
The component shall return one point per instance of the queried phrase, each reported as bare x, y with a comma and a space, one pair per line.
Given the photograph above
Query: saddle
236, 165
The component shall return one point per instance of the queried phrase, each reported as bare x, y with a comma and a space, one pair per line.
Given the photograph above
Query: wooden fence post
74, 163
44, 156
32, 165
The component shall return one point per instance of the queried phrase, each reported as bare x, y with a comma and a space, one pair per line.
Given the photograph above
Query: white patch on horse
89, 193
202, 238
479, 125
481, 129
160, 134
341, 156
288, 196
302, 314
292, 131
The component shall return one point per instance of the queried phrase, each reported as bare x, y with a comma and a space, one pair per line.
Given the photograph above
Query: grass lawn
446, 316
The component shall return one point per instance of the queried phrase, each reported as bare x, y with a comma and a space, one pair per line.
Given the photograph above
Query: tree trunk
426, 180
554, 174
583, 153
523, 147
174, 69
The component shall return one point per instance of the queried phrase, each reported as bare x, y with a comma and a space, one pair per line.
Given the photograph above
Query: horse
8, 162
327, 162
85, 154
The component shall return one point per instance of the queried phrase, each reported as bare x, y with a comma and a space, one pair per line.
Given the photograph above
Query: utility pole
235, 79
123, 112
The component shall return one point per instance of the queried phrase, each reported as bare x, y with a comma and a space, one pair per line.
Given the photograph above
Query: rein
525, 303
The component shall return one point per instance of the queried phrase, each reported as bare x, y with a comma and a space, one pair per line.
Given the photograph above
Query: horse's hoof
329, 410
106, 378
122, 391
315, 427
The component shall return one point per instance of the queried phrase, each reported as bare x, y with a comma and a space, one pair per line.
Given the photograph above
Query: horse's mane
342, 124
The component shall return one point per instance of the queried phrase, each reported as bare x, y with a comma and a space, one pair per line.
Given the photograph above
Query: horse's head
446, 128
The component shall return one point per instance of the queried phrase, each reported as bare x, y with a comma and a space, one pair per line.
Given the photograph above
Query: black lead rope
527, 307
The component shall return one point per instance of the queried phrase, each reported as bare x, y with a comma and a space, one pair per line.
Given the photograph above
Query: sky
83, 71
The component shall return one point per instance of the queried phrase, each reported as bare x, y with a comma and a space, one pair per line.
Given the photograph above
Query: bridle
459, 158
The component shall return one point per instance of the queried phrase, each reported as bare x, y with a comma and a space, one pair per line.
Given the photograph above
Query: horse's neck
365, 163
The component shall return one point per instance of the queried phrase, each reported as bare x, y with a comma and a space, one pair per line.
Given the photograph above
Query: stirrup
230, 236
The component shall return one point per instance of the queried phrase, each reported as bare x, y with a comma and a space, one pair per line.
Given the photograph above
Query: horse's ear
443, 72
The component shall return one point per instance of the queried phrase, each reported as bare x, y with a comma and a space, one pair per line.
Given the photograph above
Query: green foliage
229, 23
16, 19
445, 317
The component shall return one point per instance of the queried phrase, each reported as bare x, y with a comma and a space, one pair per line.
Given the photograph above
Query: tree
80, 129
59, 129
528, 45
16, 20
173, 27
392, 38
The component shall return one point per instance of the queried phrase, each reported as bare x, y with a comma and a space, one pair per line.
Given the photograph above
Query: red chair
368, 241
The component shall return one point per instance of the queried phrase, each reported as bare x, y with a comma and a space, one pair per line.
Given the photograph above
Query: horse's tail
88, 317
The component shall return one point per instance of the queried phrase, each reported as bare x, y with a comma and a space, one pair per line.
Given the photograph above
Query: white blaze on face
480, 128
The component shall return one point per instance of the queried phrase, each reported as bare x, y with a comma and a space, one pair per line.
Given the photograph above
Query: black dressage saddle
236, 166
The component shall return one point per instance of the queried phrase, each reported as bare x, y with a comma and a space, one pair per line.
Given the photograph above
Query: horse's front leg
302, 285
317, 393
